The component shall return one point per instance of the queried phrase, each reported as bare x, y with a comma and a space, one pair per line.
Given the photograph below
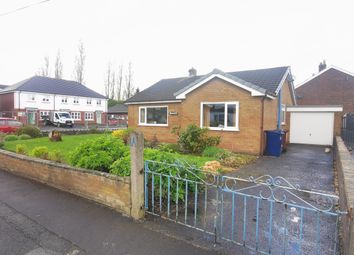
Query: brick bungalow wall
247, 140
330, 88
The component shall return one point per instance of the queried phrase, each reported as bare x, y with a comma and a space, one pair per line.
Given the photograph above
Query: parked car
8, 125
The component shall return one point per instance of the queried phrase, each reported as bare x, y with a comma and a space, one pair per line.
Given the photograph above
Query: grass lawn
69, 143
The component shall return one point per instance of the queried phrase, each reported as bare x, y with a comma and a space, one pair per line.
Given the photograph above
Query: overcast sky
164, 38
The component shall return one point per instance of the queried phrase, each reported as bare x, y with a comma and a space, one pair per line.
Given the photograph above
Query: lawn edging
345, 168
104, 188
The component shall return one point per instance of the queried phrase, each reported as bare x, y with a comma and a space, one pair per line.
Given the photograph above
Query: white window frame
64, 100
283, 113
225, 128
89, 101
31, 97
76, 100
90, 114
148, 124
99, 102
76, 115
45, 99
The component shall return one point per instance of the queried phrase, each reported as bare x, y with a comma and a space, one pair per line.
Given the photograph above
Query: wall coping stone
347, 163
65, 166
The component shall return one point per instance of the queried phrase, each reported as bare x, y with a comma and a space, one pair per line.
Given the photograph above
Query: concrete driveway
309, 167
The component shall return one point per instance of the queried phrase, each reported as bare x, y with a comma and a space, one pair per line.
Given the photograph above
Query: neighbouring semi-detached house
238, 106
32, 98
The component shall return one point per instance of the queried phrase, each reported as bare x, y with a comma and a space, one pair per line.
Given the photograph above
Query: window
76, 100
99, 102
283, 114
76, 115
45, 99
89, 101
32, 97
88, 115
44, 115
219, 115
152, 115
64, 100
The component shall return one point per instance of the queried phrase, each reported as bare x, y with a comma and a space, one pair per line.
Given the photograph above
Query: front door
99, 117
31, 118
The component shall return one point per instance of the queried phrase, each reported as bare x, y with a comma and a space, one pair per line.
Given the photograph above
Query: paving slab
49, 221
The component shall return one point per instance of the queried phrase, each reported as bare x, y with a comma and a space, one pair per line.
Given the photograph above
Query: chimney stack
322, 66
192, 72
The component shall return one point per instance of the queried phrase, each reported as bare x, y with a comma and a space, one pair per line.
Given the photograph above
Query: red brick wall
6, 102
333, 87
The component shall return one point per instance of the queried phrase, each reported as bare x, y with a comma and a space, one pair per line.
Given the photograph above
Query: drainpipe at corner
279, 108
262, 125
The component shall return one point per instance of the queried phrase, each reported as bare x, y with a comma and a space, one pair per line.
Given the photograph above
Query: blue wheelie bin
274, 142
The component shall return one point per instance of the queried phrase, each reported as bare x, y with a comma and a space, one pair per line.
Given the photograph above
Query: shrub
215, 152
172, 164
21, 149
40, 152
195, 139
2, 144
10, 138
56, 156
29, 130
24, 137
122, 134
99, 153
121, 166
169, 147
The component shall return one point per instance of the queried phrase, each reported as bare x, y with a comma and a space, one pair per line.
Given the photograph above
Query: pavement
39, 220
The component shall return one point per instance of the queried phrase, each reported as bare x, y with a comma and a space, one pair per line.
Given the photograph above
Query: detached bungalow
238, 106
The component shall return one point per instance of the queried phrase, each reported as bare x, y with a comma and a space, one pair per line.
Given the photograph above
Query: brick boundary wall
110, 190
345, 169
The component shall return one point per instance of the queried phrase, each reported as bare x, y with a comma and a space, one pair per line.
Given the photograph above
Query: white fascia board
282, 80
323, 71
315, 108
155, 102
253, 91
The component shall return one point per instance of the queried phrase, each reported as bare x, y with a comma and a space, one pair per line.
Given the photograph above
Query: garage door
312, 128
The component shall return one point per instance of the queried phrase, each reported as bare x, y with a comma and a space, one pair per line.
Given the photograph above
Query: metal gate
266, 214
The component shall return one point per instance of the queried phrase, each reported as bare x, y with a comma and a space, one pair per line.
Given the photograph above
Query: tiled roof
48, 85
262, 80
118, 108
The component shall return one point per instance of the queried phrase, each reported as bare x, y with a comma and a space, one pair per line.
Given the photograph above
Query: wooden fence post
137, 175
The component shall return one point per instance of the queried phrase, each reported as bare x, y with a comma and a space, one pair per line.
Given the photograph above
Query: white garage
312, 124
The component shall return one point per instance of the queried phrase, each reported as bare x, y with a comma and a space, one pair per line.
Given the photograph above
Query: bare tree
113, 84
107, 82
119, 83
129, 87
79, 64
44, 71
58, 68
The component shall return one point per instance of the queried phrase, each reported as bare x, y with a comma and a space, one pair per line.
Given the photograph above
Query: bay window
219, 115
153, 115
